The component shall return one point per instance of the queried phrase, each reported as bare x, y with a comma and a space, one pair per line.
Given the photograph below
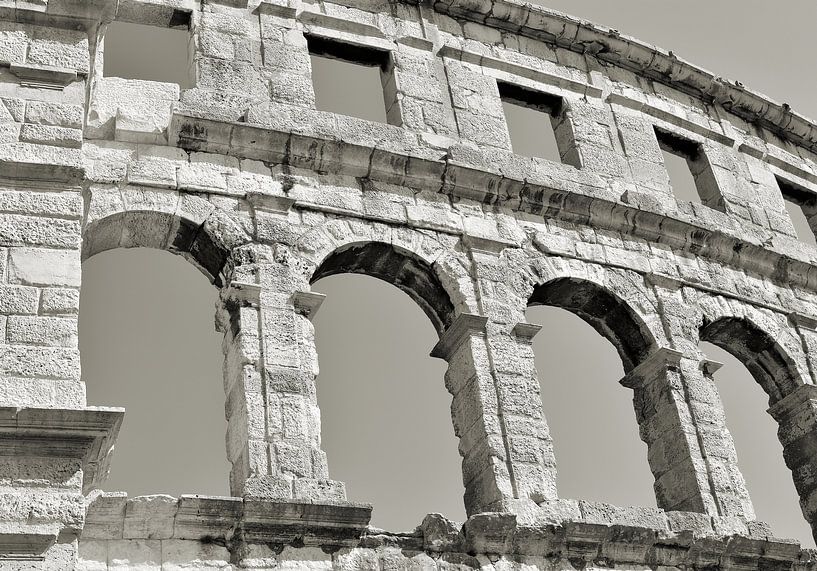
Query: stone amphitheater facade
243, 177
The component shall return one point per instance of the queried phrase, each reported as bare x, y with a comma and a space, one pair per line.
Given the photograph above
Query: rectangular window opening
152, 53
530, 116
801, 204
683, 160
353, 80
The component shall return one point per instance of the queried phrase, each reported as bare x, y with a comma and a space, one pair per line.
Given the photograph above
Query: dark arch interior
397, 267
606, 313
158, 230
758, 352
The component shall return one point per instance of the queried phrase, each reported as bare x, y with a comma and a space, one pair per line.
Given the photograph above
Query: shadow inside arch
398, 267
162, 231
768, 363
609, 315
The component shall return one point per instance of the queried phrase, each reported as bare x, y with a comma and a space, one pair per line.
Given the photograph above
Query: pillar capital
709, 367
653, 365
525, 332
794, 400
464, 326
307, 303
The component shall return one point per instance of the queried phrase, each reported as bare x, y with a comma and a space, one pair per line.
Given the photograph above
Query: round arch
182, 224
607, 313
398, 267
768, 362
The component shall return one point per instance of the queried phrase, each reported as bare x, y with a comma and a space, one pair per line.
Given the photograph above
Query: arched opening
754, 373
148, 340
148, 343
386, 425
595, 433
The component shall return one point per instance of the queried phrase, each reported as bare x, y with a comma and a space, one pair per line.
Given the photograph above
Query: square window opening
532, 117
152, 53
801, 205
353, 80
690, 176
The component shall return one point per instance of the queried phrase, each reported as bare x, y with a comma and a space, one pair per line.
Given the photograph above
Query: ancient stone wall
241, 175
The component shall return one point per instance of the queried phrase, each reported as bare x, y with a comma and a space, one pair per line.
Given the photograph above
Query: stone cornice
87, 434
544, 188
644, 59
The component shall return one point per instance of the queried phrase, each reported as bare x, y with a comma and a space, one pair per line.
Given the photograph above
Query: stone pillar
727, 486
530, 447
475, 413
501, 444
666, 426
796, 415
273, 436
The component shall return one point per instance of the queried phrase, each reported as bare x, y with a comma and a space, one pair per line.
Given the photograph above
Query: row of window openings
359, 82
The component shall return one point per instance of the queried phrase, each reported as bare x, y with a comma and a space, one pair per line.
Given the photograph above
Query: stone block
49, 135
62, 48
36, 330
131, 110
45, 267
141, 554
150, 517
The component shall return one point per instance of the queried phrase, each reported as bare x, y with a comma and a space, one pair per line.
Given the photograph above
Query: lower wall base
162, 533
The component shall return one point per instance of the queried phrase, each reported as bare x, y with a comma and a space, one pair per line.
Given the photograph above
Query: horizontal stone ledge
537, 186
642, 536
43, 76
70, 14
87, 434
226, 519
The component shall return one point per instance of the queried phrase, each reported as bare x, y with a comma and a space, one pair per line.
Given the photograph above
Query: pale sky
148, 342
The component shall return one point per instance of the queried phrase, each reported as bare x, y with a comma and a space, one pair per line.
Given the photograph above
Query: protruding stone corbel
709, 367
416, 43
275, 203
464, 326
245, 293
487, 245
525, 332
798, 397
803, 321
307, 303
656, 362
279, 8
43, 76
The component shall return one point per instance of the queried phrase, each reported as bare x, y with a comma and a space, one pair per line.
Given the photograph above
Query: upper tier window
530, 116
689, 172
137, 51
353, 80
802, 207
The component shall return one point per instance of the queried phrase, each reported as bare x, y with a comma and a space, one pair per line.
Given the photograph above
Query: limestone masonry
242, 176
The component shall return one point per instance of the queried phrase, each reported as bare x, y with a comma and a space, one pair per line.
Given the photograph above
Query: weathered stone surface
243, 176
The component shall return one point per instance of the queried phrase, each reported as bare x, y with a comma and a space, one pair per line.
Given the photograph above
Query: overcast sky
148, 343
